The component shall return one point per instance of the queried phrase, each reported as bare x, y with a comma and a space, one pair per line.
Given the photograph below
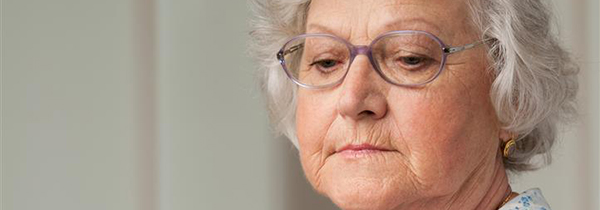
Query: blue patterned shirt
531, 199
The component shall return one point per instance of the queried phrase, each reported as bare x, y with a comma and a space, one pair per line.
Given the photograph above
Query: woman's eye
412, 60
325, 65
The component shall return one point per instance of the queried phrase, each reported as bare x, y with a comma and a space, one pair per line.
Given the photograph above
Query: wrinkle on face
407, 152
320, 155
361, 30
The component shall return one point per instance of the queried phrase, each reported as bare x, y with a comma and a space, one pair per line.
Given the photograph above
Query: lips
359, 150
360, 147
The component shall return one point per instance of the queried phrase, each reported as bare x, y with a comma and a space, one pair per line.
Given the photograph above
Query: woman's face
369, 144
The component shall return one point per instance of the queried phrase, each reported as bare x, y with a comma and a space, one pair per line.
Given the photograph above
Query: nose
362, 95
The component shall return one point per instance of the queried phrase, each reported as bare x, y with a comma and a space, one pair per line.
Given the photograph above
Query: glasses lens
316, 60
409, 59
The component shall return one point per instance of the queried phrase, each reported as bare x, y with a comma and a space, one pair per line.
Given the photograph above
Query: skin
443, 137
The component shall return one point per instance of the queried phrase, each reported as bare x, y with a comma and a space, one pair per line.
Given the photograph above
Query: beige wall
147, 105
214, 143
77, 101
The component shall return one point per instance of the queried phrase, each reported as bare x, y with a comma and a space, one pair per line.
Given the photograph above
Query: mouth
361, 150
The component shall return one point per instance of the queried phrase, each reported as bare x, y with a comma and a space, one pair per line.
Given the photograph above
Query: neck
486, 188
498, 191
482, 193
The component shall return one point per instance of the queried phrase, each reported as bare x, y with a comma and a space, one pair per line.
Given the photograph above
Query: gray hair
535, 77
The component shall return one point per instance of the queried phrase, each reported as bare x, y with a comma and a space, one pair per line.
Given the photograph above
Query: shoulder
531, 199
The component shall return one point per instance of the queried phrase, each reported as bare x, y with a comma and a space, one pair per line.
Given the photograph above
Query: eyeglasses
403, 58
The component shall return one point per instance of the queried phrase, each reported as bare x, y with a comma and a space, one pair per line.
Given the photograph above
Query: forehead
363, 20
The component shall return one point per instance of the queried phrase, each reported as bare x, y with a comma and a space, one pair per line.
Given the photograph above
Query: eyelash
318, 62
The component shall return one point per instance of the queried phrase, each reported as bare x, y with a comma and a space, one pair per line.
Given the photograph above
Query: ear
505, 135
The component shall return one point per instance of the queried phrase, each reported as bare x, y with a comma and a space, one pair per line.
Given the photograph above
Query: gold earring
509, 147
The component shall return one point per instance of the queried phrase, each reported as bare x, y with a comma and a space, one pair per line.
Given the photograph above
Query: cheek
444, 132
316, 114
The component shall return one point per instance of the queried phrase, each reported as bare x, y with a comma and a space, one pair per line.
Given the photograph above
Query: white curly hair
535, 77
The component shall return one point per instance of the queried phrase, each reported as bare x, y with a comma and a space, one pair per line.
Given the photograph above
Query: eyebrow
396, 25
412, 24
323, 29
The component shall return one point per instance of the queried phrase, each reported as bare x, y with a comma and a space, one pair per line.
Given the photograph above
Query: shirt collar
531, 199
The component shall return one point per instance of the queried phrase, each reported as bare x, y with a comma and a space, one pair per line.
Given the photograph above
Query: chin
362, 189
370, 182
363, 195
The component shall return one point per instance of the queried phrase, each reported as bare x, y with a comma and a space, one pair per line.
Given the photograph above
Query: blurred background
153, 105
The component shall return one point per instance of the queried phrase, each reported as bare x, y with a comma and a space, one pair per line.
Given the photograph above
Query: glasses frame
356, 50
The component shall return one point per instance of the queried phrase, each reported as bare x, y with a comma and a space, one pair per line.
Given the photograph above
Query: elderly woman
412, 104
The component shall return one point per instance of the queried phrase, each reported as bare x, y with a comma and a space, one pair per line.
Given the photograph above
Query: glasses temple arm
293, 49
450, 50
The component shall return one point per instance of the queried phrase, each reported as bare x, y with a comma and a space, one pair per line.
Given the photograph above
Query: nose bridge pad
366, 50
363, 50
